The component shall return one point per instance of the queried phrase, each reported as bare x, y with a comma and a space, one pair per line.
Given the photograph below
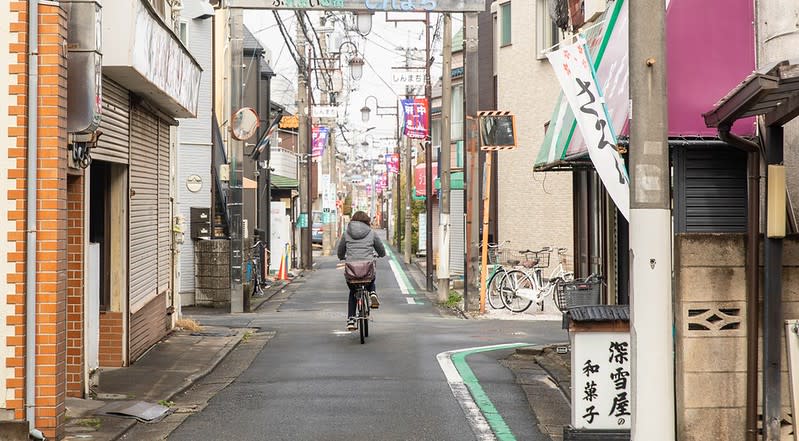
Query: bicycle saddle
531, 263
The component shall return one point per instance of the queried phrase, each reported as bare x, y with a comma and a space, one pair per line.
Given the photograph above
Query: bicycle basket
577, 293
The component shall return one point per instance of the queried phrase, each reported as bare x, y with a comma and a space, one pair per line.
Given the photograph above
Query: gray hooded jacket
359, 243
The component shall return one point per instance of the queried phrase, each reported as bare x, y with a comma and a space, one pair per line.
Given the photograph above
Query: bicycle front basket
577, 293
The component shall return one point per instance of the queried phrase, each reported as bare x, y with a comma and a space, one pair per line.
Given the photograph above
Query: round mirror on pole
244, 123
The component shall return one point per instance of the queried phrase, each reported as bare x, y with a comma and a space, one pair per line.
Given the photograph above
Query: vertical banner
577, 78
319, 140
392, 163
414, 120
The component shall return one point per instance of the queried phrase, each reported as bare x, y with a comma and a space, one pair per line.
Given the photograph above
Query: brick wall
75, 270
111, 333
9, 88
535, 209
51, 226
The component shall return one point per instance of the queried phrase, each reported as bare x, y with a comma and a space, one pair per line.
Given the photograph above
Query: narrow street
315, 381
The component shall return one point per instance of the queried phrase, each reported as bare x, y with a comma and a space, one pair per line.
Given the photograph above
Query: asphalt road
315, 381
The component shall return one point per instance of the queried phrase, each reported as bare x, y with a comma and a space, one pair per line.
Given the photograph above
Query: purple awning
710, 46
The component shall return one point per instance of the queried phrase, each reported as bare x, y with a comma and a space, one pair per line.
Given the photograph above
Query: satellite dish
244, 123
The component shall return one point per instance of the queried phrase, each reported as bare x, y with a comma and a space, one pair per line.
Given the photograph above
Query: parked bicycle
257, 280
504, 262
520, 288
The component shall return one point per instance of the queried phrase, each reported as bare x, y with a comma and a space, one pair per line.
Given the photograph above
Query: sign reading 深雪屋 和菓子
365, 5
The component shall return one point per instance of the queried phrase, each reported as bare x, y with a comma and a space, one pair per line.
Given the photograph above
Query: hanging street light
363, 21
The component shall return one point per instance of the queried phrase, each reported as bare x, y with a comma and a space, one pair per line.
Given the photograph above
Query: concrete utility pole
444, 160
471, 292
408, 251
304, 148
651, 321
428, 159
236, 23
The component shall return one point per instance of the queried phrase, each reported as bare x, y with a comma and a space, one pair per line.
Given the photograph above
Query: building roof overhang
771, 91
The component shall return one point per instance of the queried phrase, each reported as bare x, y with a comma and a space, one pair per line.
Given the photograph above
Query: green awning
283, 182
556, 148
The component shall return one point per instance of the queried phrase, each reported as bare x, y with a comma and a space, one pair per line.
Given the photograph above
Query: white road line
474, 415
410, 300
396, 271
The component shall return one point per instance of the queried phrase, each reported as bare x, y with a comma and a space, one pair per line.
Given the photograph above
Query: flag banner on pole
264, 142
414, 120
575, 73
392, 162
319, 140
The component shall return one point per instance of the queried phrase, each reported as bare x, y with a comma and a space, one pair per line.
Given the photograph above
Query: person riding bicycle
358, 244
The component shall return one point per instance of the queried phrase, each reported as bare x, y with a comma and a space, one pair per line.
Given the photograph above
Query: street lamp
355, 62
363, 22
366, 110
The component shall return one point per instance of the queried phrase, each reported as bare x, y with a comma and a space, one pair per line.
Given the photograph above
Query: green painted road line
405, 281
466, 376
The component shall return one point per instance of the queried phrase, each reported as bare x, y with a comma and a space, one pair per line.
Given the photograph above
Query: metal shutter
147, 326
457, 234
113, 145
143, 208
710, 184
164, 215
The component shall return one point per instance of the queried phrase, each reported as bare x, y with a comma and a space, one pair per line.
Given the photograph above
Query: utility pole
304, 147
408, 180
428, 161
651, 321
471, 292
236, 23
444, 160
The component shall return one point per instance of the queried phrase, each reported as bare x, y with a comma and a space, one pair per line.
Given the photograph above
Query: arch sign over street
365, 5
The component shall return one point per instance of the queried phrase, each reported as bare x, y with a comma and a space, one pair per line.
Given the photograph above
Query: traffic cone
281, 272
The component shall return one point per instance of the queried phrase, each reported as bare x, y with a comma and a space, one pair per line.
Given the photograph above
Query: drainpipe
752, 150
30, 255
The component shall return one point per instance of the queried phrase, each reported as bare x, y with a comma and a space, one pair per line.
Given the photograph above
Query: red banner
415, 118
419, 178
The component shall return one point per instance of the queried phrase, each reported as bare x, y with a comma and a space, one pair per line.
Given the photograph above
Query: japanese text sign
392, 162
319, 140
414, 120
601, 389
575, 73
412, 77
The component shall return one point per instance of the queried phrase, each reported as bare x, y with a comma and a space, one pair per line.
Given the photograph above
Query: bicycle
257, 280
362, 309
520, 288
498, 273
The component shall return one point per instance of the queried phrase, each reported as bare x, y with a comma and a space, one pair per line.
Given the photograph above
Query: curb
190, 380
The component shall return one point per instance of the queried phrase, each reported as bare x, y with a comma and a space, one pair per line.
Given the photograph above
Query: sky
383, 48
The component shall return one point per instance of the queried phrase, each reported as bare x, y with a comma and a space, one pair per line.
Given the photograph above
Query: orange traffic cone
282, 273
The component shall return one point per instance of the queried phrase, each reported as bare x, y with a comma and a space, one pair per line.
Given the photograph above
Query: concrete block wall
710, 322
212, 276
535, 209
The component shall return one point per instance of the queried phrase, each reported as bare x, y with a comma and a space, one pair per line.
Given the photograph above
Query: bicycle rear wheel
362, 317
509, 290
492, 289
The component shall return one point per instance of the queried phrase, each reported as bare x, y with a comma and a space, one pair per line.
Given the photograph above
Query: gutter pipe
752, 150
31, 196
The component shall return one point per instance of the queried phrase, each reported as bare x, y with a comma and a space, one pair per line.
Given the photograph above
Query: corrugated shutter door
113, 145
711, 190
143, 208
457, 235
164, 224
